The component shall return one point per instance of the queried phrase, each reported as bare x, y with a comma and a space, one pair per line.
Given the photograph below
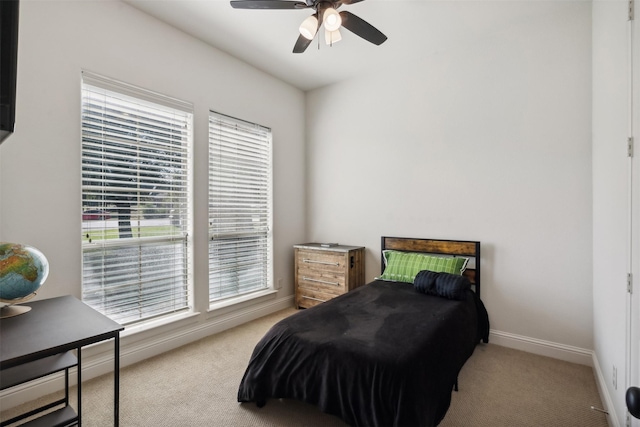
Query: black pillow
446, 285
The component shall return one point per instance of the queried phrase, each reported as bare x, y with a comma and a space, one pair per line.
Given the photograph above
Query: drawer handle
315, 299
309, 279
311, 261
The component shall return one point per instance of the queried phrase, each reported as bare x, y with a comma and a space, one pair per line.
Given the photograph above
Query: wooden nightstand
322, 273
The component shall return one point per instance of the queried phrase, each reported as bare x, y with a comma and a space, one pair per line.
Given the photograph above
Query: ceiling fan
325, 13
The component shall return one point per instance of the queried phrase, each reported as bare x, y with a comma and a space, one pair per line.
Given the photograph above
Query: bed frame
465, 248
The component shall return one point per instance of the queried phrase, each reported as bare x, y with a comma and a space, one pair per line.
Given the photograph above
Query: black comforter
380, 355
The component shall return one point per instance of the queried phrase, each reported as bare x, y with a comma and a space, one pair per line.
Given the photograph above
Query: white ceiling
265, 38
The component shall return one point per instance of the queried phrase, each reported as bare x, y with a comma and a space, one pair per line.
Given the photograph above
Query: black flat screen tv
8, 65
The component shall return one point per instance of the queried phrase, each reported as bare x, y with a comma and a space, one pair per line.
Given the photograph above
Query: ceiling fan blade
268, 4
362, 28
350, 1
301, 44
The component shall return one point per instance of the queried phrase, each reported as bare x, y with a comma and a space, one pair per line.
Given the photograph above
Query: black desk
39, 342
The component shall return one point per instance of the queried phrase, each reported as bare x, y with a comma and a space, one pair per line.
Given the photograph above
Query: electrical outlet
279, 283
615, 377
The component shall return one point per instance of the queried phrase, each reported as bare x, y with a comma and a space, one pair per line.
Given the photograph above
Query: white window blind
136, 201
239, 207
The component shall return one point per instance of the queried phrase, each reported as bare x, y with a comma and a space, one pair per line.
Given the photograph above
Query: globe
23, 270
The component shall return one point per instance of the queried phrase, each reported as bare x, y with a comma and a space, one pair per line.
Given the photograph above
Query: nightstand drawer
321, 261
320, 278
308, 298
326, 282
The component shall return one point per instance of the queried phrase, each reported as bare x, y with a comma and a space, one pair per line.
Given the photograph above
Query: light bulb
332, 19
331, 37
309, 27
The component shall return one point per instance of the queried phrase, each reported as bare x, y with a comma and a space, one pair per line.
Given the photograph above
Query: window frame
175, 234
259, 135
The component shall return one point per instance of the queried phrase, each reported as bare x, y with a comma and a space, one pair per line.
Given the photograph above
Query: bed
385, 354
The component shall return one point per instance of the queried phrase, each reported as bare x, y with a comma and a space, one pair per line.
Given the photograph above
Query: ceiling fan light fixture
332, 20
325, 14
331, 37
309, 27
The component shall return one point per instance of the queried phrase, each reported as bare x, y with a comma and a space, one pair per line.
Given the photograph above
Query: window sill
174, 320
240, 299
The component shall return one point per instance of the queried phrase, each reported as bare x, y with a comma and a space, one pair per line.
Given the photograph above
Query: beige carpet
196, 385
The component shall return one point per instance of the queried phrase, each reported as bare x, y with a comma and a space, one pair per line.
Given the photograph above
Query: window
136, 201
240, 237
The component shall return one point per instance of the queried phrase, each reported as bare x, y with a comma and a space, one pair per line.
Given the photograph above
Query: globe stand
12, 310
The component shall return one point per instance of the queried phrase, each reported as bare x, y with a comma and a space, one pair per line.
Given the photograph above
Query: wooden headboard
465, 248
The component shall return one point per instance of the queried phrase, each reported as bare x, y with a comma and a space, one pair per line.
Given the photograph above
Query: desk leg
79, 386
66, 387
116, 380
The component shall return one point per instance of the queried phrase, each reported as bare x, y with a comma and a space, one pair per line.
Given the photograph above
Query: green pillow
404, 266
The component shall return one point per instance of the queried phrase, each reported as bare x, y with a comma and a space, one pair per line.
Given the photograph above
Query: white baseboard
612, 418
543, 348
98, 360
562, 352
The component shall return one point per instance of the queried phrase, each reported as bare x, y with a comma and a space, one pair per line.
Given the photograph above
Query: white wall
40, 166
489, 141
610, 194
